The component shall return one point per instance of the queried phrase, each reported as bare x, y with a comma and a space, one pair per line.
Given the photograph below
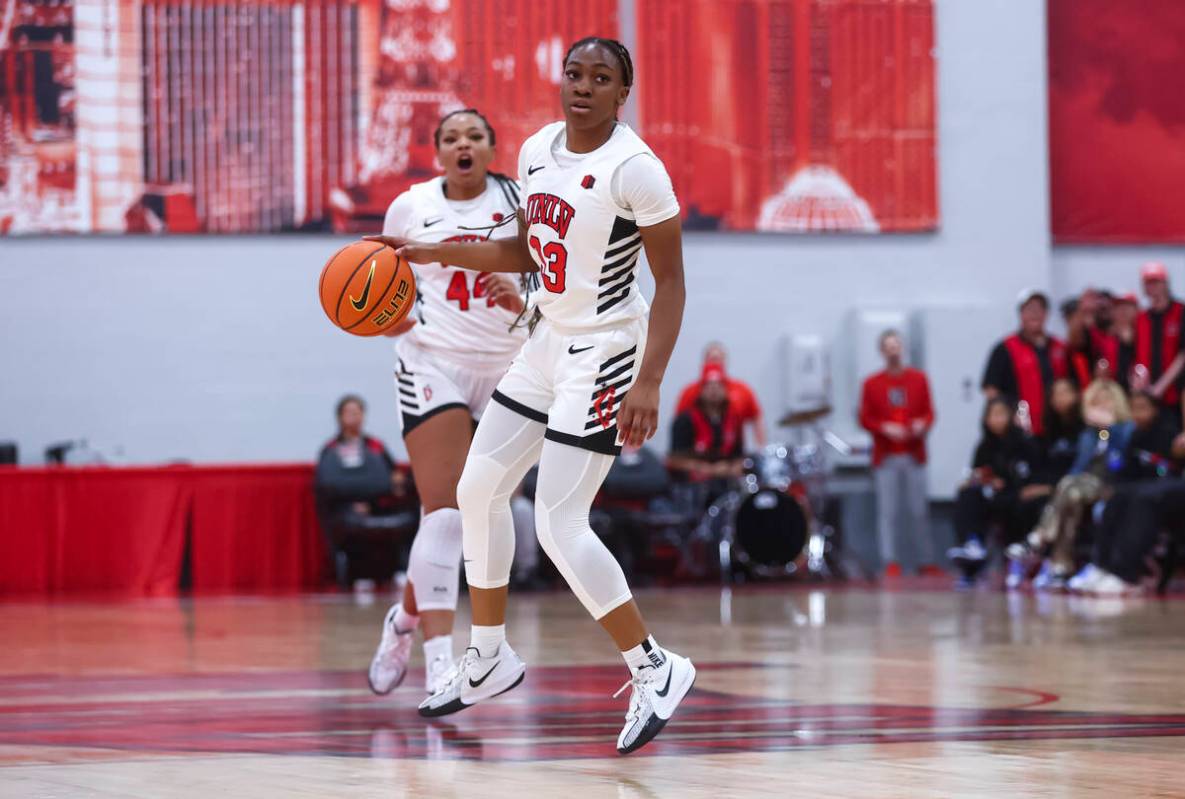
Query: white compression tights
504, 447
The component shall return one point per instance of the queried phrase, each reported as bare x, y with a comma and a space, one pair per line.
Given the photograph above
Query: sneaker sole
457, 705
655, 725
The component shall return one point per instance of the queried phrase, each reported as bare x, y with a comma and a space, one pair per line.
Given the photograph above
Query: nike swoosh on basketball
666, 688
531, 170
431, 222
475, 683
360, 303
572, 351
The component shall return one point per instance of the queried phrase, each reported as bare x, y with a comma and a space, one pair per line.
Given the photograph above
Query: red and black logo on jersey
588, 182
547, 209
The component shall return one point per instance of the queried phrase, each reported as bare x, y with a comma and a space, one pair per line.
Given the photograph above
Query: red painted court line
547, 719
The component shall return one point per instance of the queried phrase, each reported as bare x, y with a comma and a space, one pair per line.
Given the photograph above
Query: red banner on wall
1117, 121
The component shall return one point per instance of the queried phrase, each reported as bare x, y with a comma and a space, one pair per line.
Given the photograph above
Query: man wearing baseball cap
1022, 367
1159, 341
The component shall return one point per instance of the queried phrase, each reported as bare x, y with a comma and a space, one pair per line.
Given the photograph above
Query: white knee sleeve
434, 566
569, 479
504, 447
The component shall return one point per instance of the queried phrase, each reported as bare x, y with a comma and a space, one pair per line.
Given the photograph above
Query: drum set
778, 518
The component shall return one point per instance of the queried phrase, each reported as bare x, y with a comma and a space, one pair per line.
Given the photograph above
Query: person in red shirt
741, 399
895, 407
1160, 341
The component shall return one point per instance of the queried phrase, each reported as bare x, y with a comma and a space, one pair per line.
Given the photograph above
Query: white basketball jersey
587, 246
454, 315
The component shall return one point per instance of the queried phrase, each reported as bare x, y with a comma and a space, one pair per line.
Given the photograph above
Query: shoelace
639, 681
457, 672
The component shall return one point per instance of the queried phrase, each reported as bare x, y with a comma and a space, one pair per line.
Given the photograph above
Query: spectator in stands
1022, 367
1078, 327
895, 408
706, 445
1123, 330
1130, 519
1091, 334
1159, 340
1103, 452
356, 479
740, 397
999, 493
1062, 428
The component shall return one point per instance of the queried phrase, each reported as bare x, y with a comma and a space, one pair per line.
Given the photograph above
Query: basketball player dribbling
587, 380
452, 350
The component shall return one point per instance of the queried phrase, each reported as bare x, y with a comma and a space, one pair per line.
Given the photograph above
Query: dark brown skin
591, 93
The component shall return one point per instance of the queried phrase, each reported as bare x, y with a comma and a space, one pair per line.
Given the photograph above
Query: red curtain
123, 531
255, 528
84, 530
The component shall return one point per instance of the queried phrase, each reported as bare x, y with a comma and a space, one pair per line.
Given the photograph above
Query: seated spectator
1103, 450
1023, 366
1062, 428
1159, 341
1129, 536
706, 445
895, 408
999, 492
1150, 473
740, 397
357, 481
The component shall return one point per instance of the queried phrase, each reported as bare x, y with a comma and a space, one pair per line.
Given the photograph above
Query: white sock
486, 640
441, 645
647, 653
404, 622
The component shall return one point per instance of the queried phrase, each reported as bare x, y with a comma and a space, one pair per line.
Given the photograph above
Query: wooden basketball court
831, 692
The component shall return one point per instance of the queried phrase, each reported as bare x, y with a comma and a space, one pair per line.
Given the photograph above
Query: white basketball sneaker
657, 691
389, 665
473, 679
436, 673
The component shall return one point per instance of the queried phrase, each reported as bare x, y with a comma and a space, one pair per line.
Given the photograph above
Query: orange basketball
366, 288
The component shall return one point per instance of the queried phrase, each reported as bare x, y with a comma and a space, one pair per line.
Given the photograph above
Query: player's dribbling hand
637, 419
502, 292
416, 252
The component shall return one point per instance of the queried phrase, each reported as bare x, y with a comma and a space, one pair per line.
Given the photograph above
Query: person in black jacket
1063, 426
1001, 491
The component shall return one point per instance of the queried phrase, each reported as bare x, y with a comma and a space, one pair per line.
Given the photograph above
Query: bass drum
770, 532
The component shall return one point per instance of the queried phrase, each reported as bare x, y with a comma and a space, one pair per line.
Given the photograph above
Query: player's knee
475, 489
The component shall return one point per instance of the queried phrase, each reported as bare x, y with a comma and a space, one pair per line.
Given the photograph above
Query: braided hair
624, 62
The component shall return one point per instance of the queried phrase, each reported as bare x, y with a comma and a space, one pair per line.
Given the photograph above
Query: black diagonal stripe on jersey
616, 287
613, 387
403, 381
403, 370
411, 395
617, 275
622, 229
616, 406
625, 367
631, 256
614, 276
619, 356
605, 306
628, 244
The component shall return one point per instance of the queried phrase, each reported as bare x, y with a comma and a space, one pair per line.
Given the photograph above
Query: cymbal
804, 417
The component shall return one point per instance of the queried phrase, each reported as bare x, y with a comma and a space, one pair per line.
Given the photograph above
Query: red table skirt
125, 530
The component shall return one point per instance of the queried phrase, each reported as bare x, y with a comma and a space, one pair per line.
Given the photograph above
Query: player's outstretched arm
494, 255
637, 420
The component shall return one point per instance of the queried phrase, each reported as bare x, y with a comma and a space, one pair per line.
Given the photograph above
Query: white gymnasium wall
215, 349
1117, 268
